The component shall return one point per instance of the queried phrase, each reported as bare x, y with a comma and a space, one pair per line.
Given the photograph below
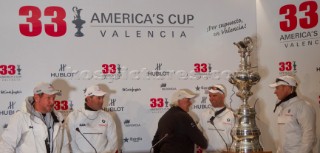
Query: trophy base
79, 34
250, 152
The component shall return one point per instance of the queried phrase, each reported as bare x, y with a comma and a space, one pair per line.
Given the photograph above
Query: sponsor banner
140, 52
289, 36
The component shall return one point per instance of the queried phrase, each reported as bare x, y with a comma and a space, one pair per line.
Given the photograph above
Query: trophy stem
245, 101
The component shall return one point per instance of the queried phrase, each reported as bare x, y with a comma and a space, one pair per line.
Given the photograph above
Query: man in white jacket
36, 128
217, 121
296, 118
91, 129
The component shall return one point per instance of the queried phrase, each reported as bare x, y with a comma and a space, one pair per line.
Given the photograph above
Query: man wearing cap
217, 121
177, 132
91, 129
37, 127
296, 118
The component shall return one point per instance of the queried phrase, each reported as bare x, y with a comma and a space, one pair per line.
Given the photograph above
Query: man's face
95, 102
216, 99
45, 102
185, 103
282, 91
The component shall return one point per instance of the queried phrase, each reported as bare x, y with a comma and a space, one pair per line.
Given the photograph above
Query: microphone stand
151, 149
77, 129
211, 121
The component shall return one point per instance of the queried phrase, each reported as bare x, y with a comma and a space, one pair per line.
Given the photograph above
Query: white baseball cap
94, 91
218, 88
182, 93
45, 88
284, 80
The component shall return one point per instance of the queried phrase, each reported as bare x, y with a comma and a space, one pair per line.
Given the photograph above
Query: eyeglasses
215, 88
278, 80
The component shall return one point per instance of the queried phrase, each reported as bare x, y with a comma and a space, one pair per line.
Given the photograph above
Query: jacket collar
217, 110
289, 102
290, 96
28, 108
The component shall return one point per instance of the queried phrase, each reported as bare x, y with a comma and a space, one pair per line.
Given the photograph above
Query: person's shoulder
74, 113
183, 115
105, 114
20, 114
229, 111
205, 113
19, 118
307, 106
301, 103
180, 112
59, 115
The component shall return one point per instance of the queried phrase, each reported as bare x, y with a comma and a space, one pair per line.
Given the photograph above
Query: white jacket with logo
98, 127
224, 123
26, 132
297, 127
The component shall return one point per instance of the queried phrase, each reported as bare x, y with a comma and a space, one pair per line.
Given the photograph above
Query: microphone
77, 129
211, 121
151, 149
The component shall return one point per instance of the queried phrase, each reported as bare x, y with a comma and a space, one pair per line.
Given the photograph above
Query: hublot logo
158, 67
158, 72
11, 104
64, 72
10, 109
62, 67
204, 100
112, 107
202, 105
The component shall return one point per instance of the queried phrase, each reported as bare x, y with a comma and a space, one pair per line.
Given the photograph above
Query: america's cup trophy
245, 134
78, 21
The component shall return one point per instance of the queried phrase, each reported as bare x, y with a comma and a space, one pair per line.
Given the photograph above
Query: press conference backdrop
142, 51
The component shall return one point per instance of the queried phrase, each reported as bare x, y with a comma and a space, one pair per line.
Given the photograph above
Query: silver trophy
245, 134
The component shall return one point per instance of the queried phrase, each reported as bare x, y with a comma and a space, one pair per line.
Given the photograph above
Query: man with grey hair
177, 132
296, 118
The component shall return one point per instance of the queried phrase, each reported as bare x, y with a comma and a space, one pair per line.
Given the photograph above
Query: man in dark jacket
177, 132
